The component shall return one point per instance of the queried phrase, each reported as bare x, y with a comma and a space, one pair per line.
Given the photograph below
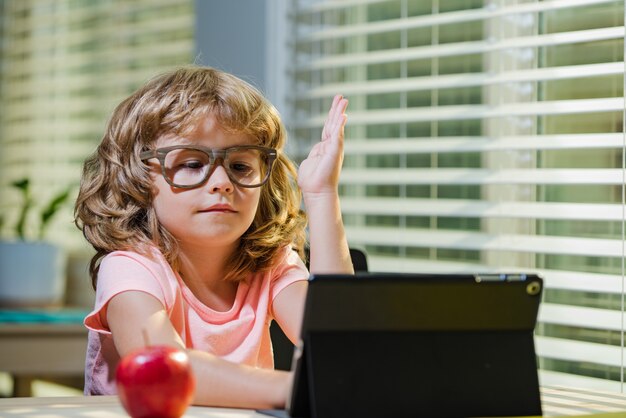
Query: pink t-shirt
240, 335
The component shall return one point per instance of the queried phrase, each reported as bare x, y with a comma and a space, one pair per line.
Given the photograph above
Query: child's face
216, 213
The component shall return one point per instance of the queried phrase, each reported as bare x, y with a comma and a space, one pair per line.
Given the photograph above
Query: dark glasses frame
214, 155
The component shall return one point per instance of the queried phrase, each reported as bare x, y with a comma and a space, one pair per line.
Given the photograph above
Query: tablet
406, 345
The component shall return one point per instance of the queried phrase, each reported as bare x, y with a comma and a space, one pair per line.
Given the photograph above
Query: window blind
65, 64
483, 136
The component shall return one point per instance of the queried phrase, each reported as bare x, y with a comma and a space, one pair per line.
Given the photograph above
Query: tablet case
407, 345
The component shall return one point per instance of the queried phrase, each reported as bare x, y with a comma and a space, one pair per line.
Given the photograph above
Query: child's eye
191, 165
186, 160
241, 168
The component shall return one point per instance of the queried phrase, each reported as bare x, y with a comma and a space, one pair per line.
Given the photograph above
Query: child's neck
203, 272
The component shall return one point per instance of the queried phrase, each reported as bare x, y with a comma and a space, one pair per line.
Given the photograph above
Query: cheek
163, 211
252, 206
253, 203
164, 203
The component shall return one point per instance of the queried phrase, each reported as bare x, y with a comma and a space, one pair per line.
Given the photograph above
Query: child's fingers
328, 130
341, 111
340, 118
339, 107
335, 117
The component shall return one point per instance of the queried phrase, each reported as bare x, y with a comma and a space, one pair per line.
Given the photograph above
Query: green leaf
52, 208
24, 186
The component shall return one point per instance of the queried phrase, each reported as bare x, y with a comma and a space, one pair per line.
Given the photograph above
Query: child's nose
219, 180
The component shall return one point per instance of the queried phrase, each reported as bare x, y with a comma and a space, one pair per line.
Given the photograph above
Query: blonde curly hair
114, 206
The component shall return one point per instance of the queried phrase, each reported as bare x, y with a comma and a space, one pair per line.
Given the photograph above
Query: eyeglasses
188, 166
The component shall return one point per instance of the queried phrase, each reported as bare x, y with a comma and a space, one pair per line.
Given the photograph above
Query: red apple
155, 381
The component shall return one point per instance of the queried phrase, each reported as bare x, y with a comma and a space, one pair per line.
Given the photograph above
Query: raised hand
319, 172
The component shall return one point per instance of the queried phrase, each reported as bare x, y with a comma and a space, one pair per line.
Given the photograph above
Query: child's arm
318, 178
288, 309
218, 382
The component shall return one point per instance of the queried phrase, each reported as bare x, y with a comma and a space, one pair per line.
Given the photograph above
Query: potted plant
32, 270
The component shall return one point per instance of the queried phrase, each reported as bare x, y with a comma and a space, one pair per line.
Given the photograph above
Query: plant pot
32, 274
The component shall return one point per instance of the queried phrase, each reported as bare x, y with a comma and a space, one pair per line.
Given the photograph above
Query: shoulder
153, 260
130, 270
288, 269
123, 271
288, 257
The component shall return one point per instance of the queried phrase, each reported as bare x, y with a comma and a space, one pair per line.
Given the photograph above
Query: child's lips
220, 207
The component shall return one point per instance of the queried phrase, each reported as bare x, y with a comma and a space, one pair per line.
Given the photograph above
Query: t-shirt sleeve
119, 272
290, 270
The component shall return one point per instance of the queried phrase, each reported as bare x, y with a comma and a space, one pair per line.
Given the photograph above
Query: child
192, 207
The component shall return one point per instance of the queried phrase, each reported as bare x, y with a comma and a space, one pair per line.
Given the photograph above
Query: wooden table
98, 406
556, 401
42, 350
